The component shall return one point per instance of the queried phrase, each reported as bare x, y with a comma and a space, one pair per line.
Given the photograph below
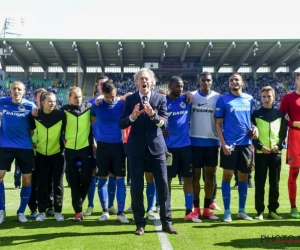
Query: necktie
145, 98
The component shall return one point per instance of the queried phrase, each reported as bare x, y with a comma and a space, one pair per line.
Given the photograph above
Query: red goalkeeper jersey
290, 105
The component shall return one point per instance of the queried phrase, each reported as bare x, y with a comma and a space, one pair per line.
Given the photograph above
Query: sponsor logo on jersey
202, 109
239, 109
183, 112
13, 113
201, 104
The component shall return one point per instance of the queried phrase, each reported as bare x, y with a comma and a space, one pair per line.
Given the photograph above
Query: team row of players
185, 128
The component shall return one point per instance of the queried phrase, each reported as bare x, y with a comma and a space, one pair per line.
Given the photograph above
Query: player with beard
179, 144
233, 124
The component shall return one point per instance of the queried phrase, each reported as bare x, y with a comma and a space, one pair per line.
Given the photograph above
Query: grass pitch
91, 234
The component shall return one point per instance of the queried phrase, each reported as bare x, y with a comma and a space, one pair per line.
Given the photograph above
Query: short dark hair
108, 86
174, 79
205, 73
242, 76
297, 74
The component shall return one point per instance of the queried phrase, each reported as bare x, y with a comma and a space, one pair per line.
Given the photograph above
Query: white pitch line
162, 236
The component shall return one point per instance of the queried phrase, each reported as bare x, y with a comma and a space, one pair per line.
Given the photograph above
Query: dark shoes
139, 231
169, 229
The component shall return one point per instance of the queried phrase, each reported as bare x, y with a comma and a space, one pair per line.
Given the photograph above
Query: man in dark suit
146, 112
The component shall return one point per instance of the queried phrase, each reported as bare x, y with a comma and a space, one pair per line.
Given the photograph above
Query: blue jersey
92, 101
236, 112
178, 122
107, 121
94, 126
15, 126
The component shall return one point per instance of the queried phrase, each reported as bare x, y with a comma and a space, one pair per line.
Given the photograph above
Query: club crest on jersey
182, 105
21, 108
291, 159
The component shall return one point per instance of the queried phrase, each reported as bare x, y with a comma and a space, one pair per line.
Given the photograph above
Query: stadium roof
105, 53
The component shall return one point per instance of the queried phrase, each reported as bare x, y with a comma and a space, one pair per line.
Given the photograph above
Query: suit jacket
144, 131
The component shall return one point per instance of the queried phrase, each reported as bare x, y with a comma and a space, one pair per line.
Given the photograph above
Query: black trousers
45, 165
157, 164
79, 178
263, 164
32, 203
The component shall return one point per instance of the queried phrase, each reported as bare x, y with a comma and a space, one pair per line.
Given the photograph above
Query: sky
155, 19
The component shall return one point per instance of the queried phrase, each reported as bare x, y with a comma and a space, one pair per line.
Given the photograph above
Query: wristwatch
153, 116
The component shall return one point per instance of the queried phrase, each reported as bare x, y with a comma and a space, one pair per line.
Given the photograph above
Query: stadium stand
282, 83
33, 83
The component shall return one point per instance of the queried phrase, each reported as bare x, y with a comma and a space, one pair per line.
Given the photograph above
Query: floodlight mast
9, 25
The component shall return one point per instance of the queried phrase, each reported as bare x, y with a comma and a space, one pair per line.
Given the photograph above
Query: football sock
91, 192
189, 201
24, 195
121, 194
111, 189
207, 202
292, 185
150, 192
102, 193
226, 194
243, 188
